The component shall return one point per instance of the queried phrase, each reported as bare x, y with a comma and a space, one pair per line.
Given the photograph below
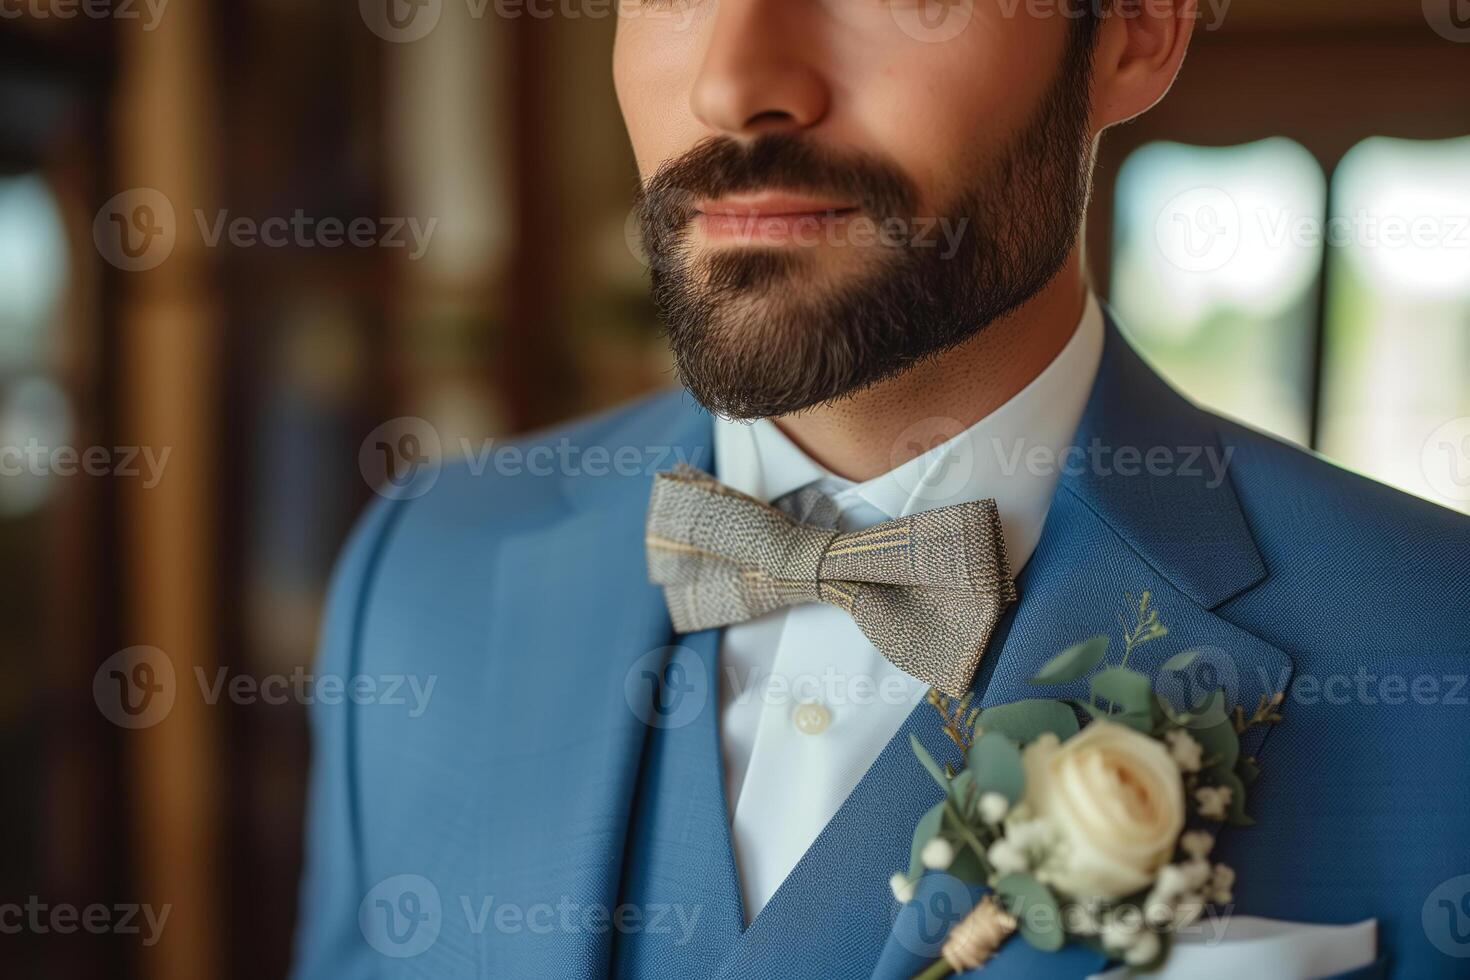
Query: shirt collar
1014, 454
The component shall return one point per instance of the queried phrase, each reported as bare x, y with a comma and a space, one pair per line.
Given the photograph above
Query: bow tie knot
927, 590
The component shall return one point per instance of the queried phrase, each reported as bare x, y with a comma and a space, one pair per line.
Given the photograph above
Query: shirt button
812, 718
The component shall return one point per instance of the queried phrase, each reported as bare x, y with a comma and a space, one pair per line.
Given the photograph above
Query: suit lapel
576, 631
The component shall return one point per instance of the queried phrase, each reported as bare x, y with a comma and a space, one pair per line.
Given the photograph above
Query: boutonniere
1094, 832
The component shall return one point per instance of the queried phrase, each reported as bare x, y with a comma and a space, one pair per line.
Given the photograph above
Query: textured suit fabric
926, 589
567, 762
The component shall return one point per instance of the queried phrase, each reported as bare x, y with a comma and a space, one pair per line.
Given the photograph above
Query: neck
866, 434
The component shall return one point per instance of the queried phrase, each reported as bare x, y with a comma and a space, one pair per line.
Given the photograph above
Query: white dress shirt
807, 703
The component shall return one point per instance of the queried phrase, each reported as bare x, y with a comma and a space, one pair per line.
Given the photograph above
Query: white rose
1115, 797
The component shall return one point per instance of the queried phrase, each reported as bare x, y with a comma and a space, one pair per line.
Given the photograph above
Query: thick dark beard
752, 340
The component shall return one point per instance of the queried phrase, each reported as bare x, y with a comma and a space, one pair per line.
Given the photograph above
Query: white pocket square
1250, 946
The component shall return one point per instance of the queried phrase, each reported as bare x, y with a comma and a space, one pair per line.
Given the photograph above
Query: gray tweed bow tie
926, 590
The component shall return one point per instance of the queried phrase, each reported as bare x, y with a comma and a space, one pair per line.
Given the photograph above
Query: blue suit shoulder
487, 489
487, 492
1347, 557
530, 477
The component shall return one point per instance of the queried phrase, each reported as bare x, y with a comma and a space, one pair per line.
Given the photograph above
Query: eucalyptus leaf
962, 792
1128, 691
1137, 722
1247, 770
1221, 744
1035, 908
924, 832
970, 867
1209, 711
1022, 721
927, 761
996, 763
1073, 662
1180, 660
1211, 708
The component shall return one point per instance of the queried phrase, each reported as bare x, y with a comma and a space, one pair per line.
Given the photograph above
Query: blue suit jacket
487, 836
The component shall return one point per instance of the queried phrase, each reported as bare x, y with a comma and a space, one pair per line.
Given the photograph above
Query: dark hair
1089, 14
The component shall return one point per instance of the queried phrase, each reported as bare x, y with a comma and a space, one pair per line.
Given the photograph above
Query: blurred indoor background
1287, 237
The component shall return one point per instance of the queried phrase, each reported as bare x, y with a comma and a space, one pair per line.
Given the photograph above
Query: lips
768, 218
771, 206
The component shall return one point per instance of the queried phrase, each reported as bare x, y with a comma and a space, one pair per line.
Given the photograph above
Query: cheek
654, 64
941, 110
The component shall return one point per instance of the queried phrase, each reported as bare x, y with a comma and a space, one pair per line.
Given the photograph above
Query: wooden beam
168, 325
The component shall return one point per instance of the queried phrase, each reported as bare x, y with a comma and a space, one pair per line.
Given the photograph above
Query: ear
1139, 51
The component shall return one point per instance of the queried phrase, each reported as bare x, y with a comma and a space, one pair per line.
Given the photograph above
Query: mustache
719, 166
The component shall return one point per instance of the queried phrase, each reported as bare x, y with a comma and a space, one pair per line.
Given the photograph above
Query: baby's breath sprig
1146, 624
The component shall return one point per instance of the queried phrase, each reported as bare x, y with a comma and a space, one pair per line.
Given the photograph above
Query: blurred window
35, 416
1396, 378
1216, 274
1218, 278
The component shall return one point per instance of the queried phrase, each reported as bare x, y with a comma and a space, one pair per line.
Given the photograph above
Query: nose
757, 75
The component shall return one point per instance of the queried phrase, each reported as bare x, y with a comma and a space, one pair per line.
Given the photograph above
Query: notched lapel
575, 622
1151, 464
